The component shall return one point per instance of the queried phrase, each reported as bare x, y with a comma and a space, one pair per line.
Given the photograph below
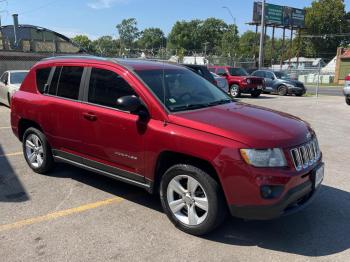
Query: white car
10, 81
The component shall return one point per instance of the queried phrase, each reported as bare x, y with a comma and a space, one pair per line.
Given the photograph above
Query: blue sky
99, 17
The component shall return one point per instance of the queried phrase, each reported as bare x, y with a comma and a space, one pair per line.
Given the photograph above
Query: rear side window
42, 77
106, 87
66, 82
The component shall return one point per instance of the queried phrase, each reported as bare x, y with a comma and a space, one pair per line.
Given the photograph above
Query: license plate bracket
317, 177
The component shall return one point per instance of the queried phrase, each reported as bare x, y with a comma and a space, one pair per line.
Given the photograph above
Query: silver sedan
10, 81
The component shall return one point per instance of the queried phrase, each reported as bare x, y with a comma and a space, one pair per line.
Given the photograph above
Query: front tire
347, 100
282, 90
192, 199
234, 91
255, 93
37, 151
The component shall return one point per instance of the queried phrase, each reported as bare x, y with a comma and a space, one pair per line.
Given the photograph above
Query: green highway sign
274, 14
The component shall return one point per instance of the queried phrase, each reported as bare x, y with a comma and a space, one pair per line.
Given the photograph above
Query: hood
292, 82
254, 126
15, 86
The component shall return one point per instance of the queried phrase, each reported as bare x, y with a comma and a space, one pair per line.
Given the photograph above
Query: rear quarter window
42, 77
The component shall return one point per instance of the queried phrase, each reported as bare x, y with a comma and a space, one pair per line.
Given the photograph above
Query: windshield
17, 77
182, 89
281, 75
237, 72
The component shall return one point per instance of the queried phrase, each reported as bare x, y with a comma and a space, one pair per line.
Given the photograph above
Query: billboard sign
279, 15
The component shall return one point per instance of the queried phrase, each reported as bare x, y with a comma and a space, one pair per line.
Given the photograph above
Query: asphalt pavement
75, 215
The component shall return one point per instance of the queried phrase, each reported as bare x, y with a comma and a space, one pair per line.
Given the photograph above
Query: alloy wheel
34, 151
187, 200
234, 90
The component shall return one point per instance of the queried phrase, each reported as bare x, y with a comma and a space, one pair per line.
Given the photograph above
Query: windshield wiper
189, 107
220, 102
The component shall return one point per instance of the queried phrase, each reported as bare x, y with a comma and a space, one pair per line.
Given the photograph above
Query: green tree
84, 42
185, 35
106, 46
322, 18
128, 32
211, 32
248, 44
152, 38
230, 42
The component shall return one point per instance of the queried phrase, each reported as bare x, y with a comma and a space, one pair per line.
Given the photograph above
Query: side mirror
224, 74
6, 82
132, 104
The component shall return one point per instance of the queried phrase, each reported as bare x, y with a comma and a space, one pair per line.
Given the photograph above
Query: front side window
269, 75
17, 77
221, 71
106, 87
66, 82
238, 72
181, 89
259, 74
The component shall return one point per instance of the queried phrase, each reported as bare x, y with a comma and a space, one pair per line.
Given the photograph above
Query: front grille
256, 81
306, 155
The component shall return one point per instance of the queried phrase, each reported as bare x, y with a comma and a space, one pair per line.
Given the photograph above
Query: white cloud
103, 4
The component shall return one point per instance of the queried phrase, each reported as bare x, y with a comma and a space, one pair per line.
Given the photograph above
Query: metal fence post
318, 79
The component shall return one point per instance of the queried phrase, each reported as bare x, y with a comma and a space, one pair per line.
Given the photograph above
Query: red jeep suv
240, 81
166, 129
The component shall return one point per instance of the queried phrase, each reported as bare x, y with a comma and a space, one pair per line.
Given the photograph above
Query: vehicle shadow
262, 96
11, 188
321, 229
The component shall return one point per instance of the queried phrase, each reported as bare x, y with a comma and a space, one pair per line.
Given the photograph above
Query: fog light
269, 192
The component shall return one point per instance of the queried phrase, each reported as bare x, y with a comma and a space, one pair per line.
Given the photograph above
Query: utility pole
205, 48
262, 35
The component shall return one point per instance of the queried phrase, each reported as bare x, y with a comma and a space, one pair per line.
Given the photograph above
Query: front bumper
294, 200
296, 90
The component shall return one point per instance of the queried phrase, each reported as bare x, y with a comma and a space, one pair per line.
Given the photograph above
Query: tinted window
259, 74
181, 89
54, 81
269, 75
106, 87
221, 71
69, 82
42, 77
238, 72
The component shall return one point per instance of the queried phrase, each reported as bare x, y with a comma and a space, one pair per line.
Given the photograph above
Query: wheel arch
168, 159
24, 124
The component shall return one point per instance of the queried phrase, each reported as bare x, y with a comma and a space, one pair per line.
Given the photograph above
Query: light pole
229, 11
262, 35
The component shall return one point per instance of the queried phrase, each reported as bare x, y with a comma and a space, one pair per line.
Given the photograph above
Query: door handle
90, 116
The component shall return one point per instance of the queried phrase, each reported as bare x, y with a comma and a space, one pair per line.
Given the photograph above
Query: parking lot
75, 215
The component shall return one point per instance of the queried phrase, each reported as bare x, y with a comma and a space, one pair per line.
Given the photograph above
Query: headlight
249, 81
264, 158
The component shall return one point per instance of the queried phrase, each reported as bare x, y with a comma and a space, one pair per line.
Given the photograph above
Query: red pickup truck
240, 81
166, 129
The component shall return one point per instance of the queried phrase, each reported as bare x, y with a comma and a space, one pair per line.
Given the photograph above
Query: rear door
113, 139
61, 117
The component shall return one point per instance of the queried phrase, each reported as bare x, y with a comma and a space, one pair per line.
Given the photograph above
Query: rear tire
234, 91
347, 100
37, 151
196, 199
256, 93
282, 90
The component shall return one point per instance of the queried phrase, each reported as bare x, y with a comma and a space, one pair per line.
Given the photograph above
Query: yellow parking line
12, 154
58, 214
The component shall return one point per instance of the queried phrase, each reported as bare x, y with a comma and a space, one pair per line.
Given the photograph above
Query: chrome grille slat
305, 155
